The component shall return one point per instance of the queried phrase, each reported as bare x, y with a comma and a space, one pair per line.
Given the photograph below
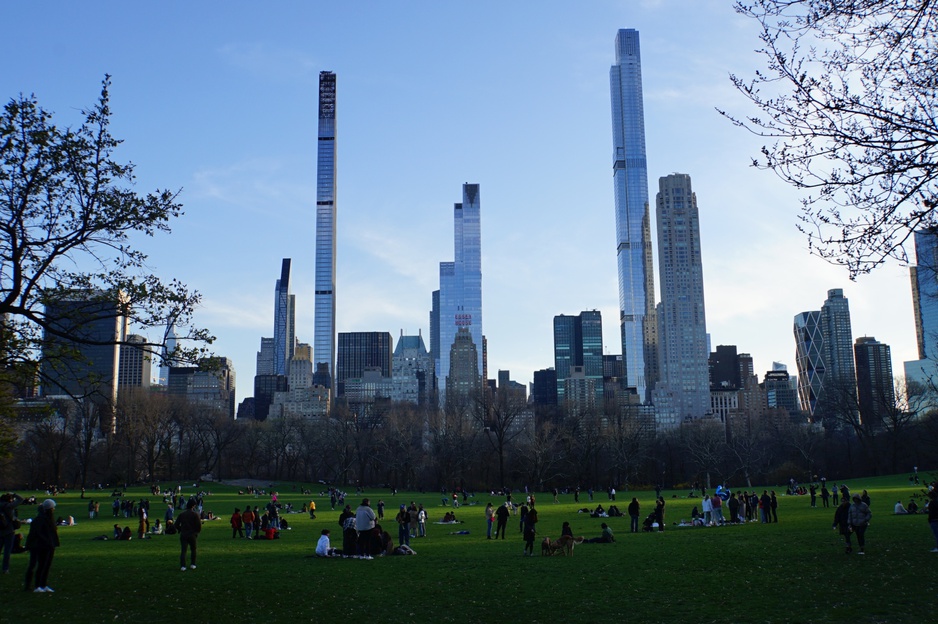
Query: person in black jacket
189, 525
41, 542
634, 513
841, 524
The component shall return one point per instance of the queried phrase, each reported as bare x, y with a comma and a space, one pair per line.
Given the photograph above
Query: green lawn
793, 571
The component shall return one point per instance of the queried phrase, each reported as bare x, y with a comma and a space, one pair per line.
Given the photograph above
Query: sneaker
192, 567
49, 590
183, 568
39, 590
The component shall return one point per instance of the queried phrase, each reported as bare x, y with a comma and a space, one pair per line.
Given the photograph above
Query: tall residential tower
324, 330
461, 293
284, 321
682, 322
633, 223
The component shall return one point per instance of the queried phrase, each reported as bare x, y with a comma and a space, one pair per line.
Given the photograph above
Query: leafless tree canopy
847, 99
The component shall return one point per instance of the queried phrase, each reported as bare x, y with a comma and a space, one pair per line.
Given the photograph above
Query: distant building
780, 392
86, 363
212, 385
578, 349
544, 387
875, 388
324, 338
359, 351
684, 384
135, 363
460, 297
633, 223
922, 373
463, 381
284, 321
827, 380
412, 371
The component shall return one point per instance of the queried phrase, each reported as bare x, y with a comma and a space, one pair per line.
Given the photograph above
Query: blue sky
219, 99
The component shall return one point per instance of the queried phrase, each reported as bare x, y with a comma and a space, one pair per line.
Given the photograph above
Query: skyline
223, 106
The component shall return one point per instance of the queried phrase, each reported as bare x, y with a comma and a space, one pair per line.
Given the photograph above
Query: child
323, 548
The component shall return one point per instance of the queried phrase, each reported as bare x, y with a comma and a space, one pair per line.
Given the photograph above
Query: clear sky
219, 99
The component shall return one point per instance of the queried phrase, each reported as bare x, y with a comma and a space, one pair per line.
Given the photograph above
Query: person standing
365, 520
858, 517
659, 513
634, 513
530, 522
825, 496
421, 521
773, 505
813, 491
403, 526
501, 520
41, 542
8, 525
733, 504
489, 520
189, 525
933, 516
247, 519
237, 524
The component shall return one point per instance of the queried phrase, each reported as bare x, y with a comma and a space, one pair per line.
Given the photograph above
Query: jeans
634, 524
40, 560
488, 528
187, 541
6, 543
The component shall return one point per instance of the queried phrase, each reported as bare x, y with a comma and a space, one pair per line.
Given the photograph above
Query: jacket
859, 514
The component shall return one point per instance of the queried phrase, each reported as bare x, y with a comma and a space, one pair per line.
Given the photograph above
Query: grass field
793, 571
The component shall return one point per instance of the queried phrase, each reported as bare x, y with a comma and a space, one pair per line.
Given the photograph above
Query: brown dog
547, 547
565, 544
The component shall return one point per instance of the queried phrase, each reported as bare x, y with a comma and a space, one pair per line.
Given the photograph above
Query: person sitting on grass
899, 509
606, 537
324, 548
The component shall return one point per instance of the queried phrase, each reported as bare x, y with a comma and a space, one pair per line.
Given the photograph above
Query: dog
547, 547
564, 544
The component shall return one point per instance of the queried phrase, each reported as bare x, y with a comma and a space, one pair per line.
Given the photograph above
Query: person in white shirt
323, 549
900, 509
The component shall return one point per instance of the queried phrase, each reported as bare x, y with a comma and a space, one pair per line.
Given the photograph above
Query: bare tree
848, 96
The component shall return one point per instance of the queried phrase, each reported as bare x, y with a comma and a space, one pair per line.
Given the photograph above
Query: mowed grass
793, 571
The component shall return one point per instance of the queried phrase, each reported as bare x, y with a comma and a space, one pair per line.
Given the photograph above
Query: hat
48, 504
403, 507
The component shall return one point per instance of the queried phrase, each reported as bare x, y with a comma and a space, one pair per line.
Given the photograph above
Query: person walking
8, 525
501, 520
634, 513
189, 525
41, 542
858, 517
841, 524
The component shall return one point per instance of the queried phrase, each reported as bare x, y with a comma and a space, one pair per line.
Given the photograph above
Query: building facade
461, 289
876, 392
921, 373
359, 351
682, 320
578, 342
284, 321
411, 371
135, 363
633, 221
324, 349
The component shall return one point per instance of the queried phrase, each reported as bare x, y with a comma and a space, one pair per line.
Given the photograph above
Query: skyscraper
633, 221
169, 346
827, 379
924, 275
284, 321
359, 351
682, 322
324, 330
578, 347
461, 290
134, 367
875, 390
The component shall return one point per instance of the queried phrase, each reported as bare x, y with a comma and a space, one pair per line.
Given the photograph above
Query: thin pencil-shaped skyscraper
633, 223
324, 331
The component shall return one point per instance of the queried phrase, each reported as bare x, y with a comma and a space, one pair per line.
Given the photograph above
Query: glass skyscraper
578, 342
682, 321
920, 372
324, 330
461, 286
284, 321
633, 224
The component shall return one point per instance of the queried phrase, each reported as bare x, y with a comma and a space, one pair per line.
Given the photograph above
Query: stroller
648, 524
